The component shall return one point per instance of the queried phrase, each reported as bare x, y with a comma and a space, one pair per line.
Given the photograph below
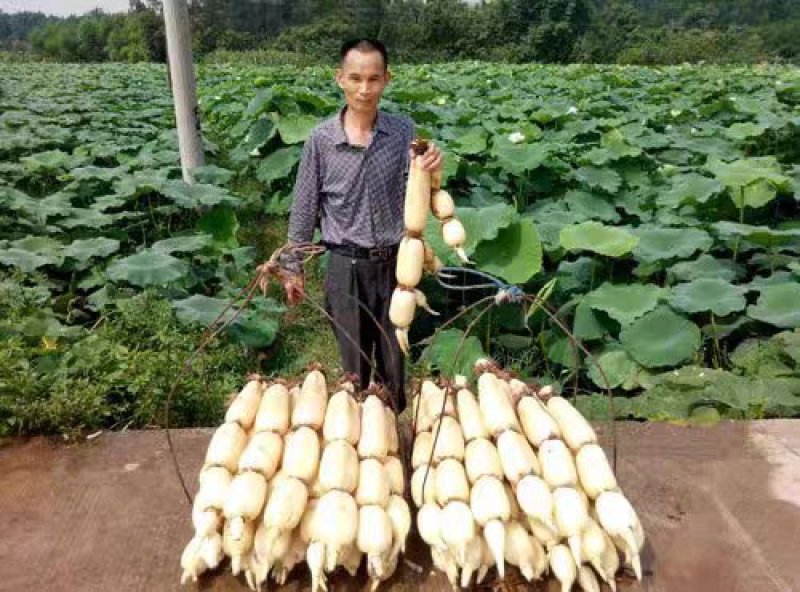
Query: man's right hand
294, 285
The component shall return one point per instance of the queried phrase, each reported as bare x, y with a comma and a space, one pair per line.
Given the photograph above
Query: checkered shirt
356, 194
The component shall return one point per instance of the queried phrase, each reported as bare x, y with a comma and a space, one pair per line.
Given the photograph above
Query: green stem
488, 331
716, 357
544, 351
741, 221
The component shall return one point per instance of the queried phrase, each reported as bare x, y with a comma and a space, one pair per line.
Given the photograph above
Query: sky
63, 7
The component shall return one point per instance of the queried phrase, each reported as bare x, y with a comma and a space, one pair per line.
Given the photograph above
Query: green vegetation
663, 202
310, 31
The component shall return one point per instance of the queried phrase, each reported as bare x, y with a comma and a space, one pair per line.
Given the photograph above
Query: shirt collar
340, 136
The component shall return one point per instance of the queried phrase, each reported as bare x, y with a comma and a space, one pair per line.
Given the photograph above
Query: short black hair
365, 44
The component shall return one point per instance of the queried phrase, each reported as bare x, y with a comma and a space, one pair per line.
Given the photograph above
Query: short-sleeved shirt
355, 194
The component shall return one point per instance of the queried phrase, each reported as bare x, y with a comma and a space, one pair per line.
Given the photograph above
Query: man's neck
360, 121
358, 127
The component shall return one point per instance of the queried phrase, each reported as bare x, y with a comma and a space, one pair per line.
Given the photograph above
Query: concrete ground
720, 506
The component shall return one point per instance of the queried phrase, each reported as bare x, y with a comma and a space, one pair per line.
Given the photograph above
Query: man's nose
363, 87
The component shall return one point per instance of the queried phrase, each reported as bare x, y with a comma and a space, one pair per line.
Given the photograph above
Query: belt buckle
379, 253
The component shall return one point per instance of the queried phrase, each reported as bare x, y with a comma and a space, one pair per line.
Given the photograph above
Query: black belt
372, 253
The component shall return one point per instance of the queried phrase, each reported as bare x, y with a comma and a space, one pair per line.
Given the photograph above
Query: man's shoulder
326, 128
396, 122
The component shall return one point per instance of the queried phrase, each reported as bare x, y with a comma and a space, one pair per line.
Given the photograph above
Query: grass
305, 335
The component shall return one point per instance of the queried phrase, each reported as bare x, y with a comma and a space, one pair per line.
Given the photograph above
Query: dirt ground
720, 507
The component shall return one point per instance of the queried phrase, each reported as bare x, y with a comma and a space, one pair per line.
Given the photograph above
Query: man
352, 180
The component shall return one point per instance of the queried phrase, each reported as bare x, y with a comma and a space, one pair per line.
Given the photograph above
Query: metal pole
184, 93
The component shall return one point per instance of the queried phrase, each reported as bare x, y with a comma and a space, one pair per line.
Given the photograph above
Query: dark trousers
347, 282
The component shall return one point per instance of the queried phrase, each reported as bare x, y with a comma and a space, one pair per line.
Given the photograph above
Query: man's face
362, 76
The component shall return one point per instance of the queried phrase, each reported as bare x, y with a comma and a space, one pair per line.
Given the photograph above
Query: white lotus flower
572, 110
255, 152
441, 100
516, 137
668, 127
695, 131
675, 112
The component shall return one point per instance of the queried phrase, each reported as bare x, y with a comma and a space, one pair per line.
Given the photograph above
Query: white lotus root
501, 486
301, 475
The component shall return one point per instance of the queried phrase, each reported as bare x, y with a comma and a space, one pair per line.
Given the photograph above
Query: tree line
310, 31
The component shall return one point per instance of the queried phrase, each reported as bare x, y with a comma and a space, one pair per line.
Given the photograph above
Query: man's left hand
432, 159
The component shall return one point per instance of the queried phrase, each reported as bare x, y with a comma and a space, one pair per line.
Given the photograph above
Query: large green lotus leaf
745, 171
635, 203
550, 219
790, 341
595, 407
662, 403
50, 161
712, 294
202, 310
755, 195
689, 188
761, 235
16, 200
722, 328
598, 157
472, 141
616, 144
577, 275
617, 365
625, 302
95, 173
519, 158
262, 131
598, 178
193, 196
759, 282
661, 338
778, 305
453, 353
660, 244
140, 182
515, 255
27, 261
451, 163
706, 266
211, 174
147, 268
590, 324
295, 129
278, 165
222, 224
795, 182
742, 131
91, 218
84, 250
44, 324
588, 205
598, 238
183, 244
484, 224
260, 102
43, 245
257, 328
560, 350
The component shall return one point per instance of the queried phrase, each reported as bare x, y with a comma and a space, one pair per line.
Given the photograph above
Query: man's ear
338, 78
